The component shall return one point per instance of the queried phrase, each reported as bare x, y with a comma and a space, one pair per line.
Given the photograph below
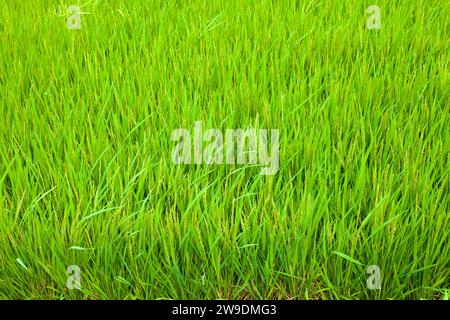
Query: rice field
92, 205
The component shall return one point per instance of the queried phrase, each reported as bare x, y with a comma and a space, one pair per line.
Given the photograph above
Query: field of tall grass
87, 178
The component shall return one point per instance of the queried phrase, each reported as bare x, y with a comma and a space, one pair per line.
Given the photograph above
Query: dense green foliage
86, 176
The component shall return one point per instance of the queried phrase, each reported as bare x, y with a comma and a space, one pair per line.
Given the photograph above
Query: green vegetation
86, 176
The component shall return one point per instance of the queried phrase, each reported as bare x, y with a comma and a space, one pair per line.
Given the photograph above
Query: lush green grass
86, 176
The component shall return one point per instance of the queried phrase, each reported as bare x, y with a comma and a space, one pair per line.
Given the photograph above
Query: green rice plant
86, 175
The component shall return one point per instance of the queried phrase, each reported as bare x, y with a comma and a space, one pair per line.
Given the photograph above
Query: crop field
108, 109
